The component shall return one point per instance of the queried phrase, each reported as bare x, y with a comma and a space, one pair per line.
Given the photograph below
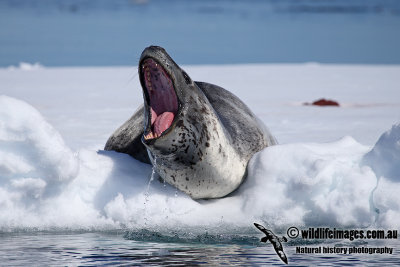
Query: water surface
116, 248
100, 33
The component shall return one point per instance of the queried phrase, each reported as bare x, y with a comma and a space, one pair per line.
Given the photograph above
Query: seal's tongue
163, 100
163, 122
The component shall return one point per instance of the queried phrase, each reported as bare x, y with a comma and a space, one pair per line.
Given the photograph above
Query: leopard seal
198, 136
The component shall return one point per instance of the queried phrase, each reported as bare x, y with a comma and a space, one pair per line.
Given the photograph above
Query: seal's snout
162, 101
156, 47
153, 51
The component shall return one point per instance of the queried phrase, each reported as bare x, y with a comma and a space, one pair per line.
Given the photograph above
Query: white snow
326, 170
26, 66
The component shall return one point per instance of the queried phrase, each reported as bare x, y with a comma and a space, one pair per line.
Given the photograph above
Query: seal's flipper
127, 138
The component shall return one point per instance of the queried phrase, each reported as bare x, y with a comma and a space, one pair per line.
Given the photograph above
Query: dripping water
147, 193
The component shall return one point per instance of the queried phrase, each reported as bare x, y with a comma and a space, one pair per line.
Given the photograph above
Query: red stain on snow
323, 102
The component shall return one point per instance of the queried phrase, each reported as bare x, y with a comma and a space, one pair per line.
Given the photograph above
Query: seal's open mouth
161, 98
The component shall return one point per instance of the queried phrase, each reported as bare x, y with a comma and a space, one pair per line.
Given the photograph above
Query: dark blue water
119, 249
102, 32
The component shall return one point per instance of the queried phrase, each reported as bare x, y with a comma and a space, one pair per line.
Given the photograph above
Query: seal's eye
187, 78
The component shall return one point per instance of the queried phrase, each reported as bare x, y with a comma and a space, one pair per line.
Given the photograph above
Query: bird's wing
282, 255
267, 232
261, 228
279, 250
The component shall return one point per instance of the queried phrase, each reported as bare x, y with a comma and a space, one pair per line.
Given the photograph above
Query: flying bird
275, 241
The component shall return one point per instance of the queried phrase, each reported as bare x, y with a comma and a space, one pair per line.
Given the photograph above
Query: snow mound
384, 160
310, 184
44, 185
34, 160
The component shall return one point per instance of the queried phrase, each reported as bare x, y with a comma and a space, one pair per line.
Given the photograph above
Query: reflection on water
94, 249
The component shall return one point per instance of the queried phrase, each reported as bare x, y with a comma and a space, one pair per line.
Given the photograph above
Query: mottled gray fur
206, 149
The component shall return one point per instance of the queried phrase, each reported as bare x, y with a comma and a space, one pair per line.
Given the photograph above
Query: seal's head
160, 78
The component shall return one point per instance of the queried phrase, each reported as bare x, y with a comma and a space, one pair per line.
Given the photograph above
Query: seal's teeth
149, 136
